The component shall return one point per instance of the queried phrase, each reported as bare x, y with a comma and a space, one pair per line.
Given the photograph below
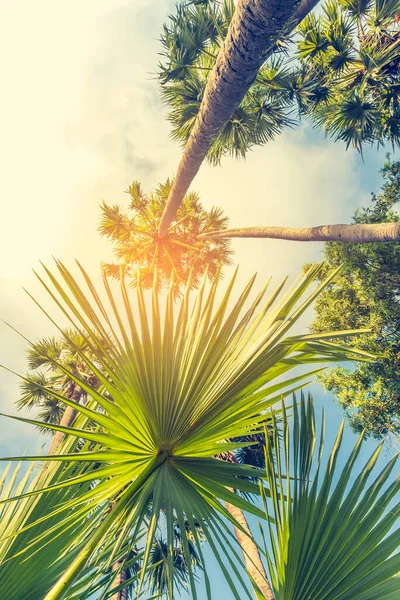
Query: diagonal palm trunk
119, 580
250, 552
255, 28
358, 233
74, 393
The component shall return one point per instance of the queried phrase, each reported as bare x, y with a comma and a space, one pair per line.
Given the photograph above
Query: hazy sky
81, 118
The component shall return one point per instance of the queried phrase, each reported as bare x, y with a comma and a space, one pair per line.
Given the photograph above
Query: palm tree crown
182, 383
344, 75
353, 50
141, 253
47, 360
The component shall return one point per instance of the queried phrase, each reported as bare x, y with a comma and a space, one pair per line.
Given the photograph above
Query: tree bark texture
255, 28
74, 393
250, 552
119, 580
304, 8
358, 233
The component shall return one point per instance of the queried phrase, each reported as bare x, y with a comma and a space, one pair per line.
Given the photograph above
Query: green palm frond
354, 121
34, 550
173, 389
350, 46
141, 253
357, 8
386, 9
332, 534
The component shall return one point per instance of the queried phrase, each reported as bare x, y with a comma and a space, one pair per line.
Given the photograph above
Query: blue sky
81, 118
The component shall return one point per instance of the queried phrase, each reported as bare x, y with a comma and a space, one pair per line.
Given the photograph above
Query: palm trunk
74, 393
119, 580
250, 552
304, 8
251, 555
255, 28
359, 233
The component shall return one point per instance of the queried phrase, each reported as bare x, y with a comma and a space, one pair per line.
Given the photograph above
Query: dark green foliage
366, 293
341, 70
47, 360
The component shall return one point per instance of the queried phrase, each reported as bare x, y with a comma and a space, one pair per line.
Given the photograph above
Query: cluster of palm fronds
145, 487
341, 69
353, 50
180, 254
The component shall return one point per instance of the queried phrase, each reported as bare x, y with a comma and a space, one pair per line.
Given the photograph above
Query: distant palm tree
49, 361
140, 252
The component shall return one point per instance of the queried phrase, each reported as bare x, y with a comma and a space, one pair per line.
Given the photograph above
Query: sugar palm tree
344, 76
178, 391
256, 26
139, 250
353, 49
345, 79
49, 361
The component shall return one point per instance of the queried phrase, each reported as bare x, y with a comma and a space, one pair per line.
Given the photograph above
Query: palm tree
345, 79
49, 361
130, 236
353, 49
254, 30
178, 391
344, 75
140, 252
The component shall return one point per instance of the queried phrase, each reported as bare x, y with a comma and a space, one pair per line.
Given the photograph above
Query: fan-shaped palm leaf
332, 533
172, 394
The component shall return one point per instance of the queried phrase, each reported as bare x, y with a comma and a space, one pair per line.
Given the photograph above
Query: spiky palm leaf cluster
332, 532
50, 361
353, 49
344, 75
191, 40
175, 385
140, 252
